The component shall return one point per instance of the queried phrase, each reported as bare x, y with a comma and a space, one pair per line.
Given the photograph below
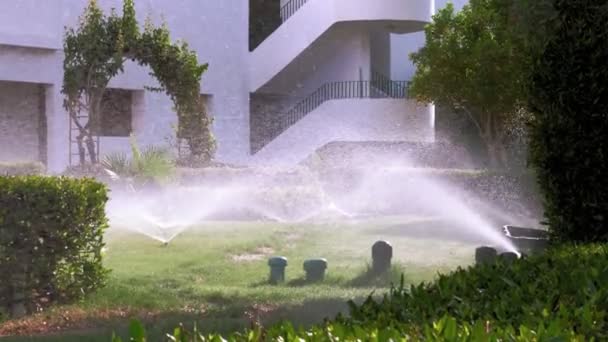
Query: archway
97, 50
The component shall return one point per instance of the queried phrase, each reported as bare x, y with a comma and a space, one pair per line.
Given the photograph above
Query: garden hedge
569, 144
566, 286
51, 239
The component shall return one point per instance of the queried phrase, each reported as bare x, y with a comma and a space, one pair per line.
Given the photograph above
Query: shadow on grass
370, 278
367, 278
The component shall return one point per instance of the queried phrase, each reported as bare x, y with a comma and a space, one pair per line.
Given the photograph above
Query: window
116, 113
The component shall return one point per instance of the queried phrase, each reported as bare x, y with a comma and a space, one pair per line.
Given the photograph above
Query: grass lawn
216, 275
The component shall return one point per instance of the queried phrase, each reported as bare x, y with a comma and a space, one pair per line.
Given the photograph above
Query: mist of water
300, 195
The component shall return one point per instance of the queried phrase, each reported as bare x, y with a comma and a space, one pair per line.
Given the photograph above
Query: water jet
527, 240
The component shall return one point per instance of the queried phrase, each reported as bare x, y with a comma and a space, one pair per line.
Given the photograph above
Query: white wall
36, 27
348, 120
32, 23
339, 55
316, 17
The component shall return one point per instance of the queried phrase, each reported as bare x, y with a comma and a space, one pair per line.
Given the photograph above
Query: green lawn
216, 274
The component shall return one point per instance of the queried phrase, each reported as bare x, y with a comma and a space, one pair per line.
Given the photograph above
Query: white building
328, 73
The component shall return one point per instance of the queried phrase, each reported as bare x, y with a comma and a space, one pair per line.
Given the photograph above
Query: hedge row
559, 296
568, 134
566, 286
447, 329
51, 237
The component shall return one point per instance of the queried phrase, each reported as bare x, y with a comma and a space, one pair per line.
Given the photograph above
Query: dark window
116, 113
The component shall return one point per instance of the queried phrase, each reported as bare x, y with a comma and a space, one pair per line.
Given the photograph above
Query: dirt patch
258, 254
68, 319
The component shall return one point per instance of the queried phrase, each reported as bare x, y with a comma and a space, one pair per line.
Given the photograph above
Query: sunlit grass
217, 272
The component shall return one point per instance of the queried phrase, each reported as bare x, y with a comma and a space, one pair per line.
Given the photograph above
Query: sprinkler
165, 244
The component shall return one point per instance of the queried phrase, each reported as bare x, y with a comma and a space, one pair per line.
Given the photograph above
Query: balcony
306, 21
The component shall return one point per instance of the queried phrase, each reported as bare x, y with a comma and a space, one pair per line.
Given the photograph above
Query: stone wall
265, 111
22, 124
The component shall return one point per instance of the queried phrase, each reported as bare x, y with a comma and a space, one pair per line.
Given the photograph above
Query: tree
96, 51
569, 100
477, 62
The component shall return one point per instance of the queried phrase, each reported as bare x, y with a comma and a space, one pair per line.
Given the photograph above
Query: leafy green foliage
96, 51
51, 237
570, 126
477, 62
565, 286
152, 164
445, 329
22, 168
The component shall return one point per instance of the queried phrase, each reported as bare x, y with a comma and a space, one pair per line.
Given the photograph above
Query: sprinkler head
165, 244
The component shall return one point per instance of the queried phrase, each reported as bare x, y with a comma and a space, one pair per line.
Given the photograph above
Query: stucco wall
343, 54
43, 30
264, 111
31, 34
317, 17
21, 122
348, 120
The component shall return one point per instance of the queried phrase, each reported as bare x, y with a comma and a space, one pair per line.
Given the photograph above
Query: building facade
332, 70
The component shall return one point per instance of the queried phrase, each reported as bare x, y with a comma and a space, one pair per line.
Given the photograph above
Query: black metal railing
387, 87
290, 8
334, 91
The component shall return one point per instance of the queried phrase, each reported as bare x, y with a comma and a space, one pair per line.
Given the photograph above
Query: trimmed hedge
569, 144
446, 329
21, 168
51, 239
566, 286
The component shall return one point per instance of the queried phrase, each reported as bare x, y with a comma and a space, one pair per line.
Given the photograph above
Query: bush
568, 135
566, 286
152, 165
51, 239
446, 329
21, 168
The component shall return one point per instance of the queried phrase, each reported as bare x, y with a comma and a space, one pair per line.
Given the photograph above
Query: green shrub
568, 134
150, 165
566, 285
445, 329
51, 238
21, 168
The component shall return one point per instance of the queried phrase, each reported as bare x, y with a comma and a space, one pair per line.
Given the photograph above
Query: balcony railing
378, 87
290, 8
388, 87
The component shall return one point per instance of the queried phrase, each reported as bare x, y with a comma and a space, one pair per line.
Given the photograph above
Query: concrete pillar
58, 130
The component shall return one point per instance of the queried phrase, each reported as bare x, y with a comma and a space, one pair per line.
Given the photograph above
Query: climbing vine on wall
97, 50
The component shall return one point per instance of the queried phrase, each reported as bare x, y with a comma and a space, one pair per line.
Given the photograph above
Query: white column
58, 130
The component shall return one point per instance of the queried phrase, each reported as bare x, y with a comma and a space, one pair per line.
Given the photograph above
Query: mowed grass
216, 274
